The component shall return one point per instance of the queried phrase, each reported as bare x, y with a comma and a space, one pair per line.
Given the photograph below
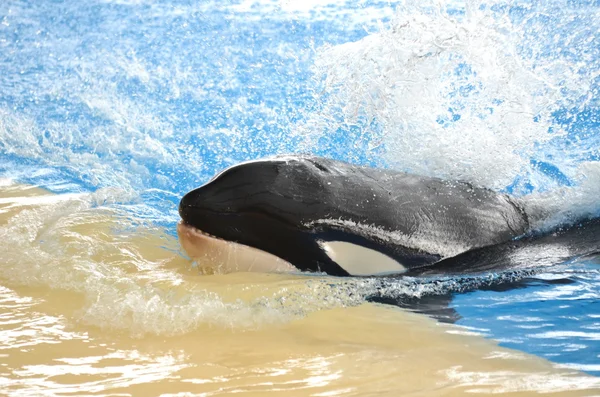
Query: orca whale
315, 214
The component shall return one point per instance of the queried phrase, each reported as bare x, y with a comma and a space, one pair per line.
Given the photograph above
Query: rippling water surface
110, 110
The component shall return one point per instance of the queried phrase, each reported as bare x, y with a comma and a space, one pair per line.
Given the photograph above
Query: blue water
155, 97
559, 321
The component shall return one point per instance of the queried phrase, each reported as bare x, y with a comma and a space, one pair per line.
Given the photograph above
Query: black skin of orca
534, 250
275, 205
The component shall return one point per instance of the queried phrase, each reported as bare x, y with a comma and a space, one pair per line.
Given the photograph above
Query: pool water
110, 110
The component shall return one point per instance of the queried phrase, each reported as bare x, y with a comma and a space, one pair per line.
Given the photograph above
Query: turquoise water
152, 98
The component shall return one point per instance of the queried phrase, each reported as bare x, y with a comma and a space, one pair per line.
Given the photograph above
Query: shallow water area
133, 317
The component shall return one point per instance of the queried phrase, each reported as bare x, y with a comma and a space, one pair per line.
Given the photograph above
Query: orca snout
200, 204
187, 205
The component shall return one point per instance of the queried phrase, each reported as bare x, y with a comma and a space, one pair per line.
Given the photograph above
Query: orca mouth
194, 230
217, 255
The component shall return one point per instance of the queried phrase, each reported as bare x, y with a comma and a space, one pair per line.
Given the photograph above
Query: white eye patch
360, 261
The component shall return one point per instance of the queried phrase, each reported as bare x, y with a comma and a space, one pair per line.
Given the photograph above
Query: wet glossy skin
288, 206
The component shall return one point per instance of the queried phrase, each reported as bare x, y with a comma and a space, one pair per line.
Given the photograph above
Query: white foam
568, 203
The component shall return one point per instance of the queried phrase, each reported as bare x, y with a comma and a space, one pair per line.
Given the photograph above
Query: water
120, 107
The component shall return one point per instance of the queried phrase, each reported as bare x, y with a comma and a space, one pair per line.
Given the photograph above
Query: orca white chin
215, 255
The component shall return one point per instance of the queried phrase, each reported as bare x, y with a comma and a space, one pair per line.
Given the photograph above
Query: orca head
260, 204
271, 205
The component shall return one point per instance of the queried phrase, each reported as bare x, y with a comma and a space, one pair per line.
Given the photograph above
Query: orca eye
318, 165
321, 167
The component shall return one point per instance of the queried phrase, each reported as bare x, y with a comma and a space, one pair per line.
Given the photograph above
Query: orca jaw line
215, 255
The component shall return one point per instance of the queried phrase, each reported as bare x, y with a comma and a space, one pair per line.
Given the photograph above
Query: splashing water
481, 92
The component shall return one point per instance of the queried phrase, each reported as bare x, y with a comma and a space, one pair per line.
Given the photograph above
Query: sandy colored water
93, 302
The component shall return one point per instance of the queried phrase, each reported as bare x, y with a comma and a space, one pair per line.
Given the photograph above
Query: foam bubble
567, 204
452, 93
